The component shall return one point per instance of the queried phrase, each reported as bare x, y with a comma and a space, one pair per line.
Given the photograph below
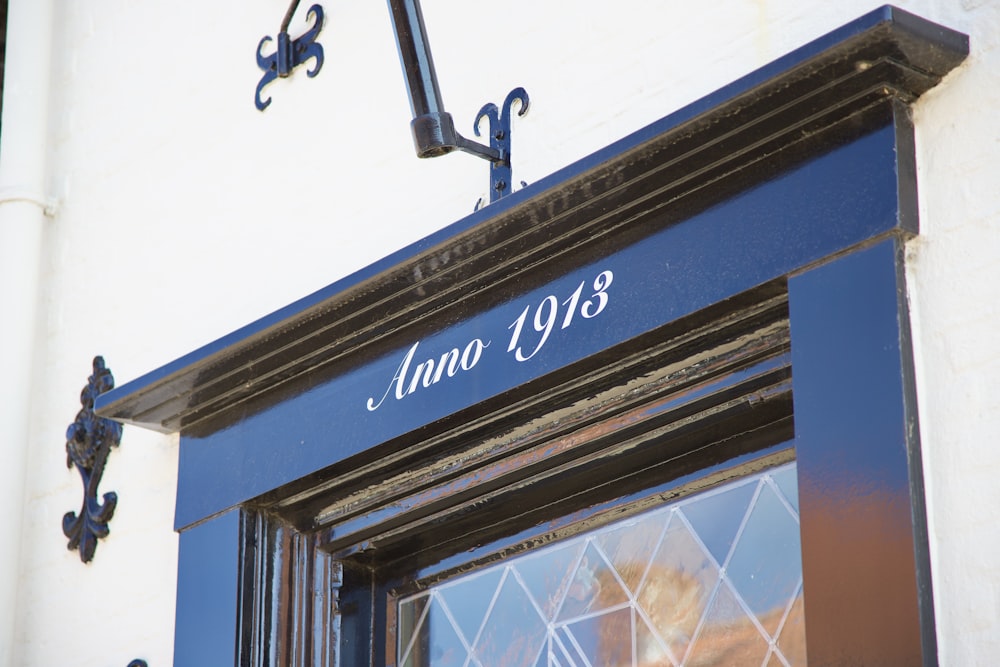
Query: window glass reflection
712, 579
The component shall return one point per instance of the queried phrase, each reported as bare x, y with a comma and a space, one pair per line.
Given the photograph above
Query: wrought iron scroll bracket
501, 172
89, 440
433, 128
290, 53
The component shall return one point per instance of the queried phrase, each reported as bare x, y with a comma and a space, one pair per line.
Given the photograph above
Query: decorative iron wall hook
501, 173
89, 440
433, 129
289, 54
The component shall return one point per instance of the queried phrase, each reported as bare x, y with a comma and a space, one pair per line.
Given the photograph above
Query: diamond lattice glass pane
514, 632
547, 574
437, 642
766, 564
650, 584
604, 639
630, 545
468, 598
677, 586
564, 652
411, 615
543, 657
728, 636
774, 661
716, 517
792, 639
649, 648
787, 480
592, 588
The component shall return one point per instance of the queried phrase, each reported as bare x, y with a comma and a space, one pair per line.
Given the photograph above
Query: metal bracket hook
290, 53
433, 129
501, 172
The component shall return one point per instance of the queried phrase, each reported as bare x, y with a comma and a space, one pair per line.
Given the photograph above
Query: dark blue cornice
808, 102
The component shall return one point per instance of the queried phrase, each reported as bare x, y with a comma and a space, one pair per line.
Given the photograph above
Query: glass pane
411, 617
593, 587
766, 563
649, 648
629, 546
545, 575
792, 637
514, 631
728, 635
788, 481
436, 641
712, 579
678, 587
604, 639
468, 598
717, 517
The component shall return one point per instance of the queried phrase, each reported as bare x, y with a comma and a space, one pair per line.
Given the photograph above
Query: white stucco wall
183, 213
954, 282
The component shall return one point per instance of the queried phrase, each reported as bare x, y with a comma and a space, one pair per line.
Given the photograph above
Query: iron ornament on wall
89, 440
501, 174
290, 53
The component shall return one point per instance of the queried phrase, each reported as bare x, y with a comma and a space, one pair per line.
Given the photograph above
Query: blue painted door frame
801, 173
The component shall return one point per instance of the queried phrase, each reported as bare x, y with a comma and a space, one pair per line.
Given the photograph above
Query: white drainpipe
23, 210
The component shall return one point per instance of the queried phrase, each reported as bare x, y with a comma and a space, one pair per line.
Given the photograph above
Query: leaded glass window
714, 578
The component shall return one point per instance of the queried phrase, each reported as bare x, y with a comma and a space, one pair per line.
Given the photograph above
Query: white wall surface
954, 283
184, 213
